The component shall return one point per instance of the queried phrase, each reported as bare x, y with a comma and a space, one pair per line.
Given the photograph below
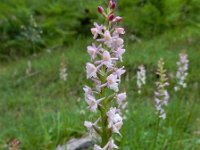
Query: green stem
157, 131
105, 132
104, 135
103, 109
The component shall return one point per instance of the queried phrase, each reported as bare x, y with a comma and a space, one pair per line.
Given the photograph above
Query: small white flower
117, 43
120, 98
96, 30
91, 70
181, 73
114, 120
93, 51
89, 125
141, 77
112, 145
92, 102
112, 82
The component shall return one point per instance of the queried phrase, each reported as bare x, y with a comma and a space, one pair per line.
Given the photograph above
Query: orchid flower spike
105, 72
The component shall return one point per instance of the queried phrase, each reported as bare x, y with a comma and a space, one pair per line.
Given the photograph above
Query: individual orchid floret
109, 146
141, 77
117, 43
112, 82
91, 70
92, 127
88, 91
119, 72
97, 30
121, 98
92, 102
182, 71
115, 121
112, 145
161, 94
106, 60
119, 52
93, 51
118, 31
88, 125
107, 39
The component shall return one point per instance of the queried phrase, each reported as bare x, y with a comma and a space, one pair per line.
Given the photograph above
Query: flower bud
100, 9
111, 17
112, 5
118, 19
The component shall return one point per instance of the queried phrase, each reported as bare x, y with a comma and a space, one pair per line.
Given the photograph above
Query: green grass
41, 111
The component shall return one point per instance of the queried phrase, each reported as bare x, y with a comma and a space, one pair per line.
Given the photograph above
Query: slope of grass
41, 111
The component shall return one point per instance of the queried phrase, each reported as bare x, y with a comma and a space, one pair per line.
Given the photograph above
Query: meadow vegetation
40, 110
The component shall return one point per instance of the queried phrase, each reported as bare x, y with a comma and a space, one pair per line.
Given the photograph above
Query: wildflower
88, 91
114, 120
93, 51
112, 82
112, 145
90, 126
109, 146
92, 102
118, 31
63, 74
141, 77
182, 73
63, 69
104, 72
161, 95
119, 72
91, 70
119, 53
120, 98
117, 43
96, 30
106, 60
107, 39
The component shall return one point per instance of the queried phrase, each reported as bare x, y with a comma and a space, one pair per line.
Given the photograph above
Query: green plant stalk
103, 109
104, 135
105, 132
157, 131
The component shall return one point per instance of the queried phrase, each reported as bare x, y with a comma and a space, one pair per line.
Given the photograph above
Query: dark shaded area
86, 146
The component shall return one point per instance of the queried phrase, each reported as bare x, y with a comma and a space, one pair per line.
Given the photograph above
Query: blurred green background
41, 111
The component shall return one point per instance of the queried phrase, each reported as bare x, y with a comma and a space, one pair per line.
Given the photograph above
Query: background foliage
41, 111
32, 26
